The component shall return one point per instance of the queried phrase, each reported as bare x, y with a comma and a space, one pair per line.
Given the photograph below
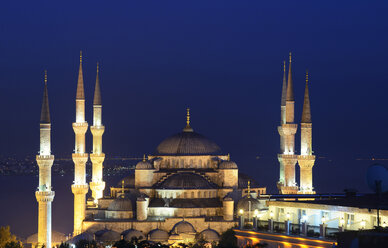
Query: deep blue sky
223, 59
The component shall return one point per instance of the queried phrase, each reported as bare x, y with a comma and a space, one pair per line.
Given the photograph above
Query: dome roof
120, 204
247, 203
57, 237
132, 233
228, 165
183, 227
158, 235
107, 235
210, 235
186, 180
187, 143
83, 236
144, 164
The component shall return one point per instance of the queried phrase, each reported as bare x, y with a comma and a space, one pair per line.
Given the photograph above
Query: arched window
192, 194
199, 194
185, 195
205, 194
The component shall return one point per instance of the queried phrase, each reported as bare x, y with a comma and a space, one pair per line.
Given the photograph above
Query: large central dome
187, 143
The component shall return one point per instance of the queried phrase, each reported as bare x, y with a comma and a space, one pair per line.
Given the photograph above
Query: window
192, 194
199, 194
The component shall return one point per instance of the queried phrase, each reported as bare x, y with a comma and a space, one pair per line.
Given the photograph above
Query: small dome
57, 237
107, 235
186, 180
228, 165
183, 227
132, 233
187, 143
158, 235
144, 165
83, 236
120, 204
210, 235
247, 203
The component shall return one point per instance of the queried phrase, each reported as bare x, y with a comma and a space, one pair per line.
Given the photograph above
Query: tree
123, 244
64, 245
83, 243
228, 239
13, 244
6, 236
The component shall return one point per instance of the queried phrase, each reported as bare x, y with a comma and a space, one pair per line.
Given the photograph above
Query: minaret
287, 130
282, 121
97, 157
306, 159
45, 160
80, 126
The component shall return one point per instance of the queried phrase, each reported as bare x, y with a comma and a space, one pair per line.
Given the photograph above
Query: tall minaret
97, 185
80, 126
45, 160
306, 159
287, 130
282, 121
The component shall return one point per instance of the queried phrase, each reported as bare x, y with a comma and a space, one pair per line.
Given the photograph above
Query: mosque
187, 187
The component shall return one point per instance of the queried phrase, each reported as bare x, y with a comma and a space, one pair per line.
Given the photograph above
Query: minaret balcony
44, 157
97, 130
44, 196
306, 157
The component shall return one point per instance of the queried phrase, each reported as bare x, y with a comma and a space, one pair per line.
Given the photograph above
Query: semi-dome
210, 235
187, 143
186, 180
133, 233
249, 203
120, 204
228, 165
158, 235
183, 227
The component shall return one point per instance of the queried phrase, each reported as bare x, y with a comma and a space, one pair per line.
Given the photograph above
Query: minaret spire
45, 112
290, 86
44, 195
306, 114
80, 84
97, 157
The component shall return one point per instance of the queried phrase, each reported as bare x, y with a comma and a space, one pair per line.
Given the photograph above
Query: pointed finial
45, 76
228, 157
290, 57
122, 187
249, 188
97, 67
284, 66
144, 157
307, 76
188, 117
188, 127
80, 56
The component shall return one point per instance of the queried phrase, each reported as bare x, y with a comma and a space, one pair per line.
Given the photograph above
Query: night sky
223, 59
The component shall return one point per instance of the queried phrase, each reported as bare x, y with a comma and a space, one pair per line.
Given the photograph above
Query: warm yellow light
288, 216
342, 221
271, 214
384, 224
363, 223
256, 212
323, 220
241, 211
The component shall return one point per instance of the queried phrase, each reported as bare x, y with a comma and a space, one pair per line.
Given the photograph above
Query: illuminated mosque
186, 188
